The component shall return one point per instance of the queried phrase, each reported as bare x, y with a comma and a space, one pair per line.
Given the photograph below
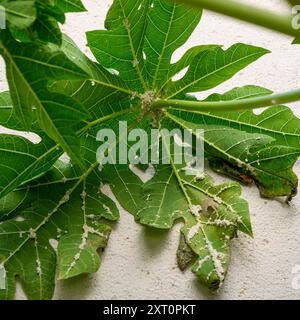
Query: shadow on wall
77, 288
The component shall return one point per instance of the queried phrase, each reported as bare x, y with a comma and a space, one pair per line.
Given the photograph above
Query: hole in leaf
113, 71
2, 278
146, 175
179, 53
178, 140
53, 243
180, 74
259, 111
30, 136
19, 219
65, 158
106, 190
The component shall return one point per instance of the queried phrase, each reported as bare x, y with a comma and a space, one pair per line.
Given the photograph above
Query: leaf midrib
18, 14
181, 185
52, 66
132, 50
164, 47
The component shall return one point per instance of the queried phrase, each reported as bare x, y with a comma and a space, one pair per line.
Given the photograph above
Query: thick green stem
233, 105
248, 13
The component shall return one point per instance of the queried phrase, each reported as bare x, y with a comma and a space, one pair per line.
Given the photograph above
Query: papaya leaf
212, 67
48, 216
261, 147
278, 121
164, 35
28, 75
54, 215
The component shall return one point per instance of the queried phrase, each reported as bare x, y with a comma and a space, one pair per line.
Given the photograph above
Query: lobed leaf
261, 147
212, 214
29, 68
212, 67
165, 34
54, 216
62, 206
120, 47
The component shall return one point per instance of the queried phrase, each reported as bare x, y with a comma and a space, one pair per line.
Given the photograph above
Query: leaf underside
55, 217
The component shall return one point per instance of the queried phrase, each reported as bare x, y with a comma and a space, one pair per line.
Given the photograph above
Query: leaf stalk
232, 105
248, 13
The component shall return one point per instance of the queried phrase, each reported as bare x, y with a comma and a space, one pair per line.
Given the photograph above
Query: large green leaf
212, 67
261, 147
55, 87
212, 214
63, 206
29, 68
164, 34
121, 46
278, 121
66, 205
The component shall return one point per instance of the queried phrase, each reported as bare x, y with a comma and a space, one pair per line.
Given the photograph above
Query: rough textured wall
139, 263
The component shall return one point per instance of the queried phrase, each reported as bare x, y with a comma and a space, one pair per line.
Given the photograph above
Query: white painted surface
141, 264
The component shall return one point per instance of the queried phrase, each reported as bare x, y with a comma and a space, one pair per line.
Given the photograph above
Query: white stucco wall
141, 264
